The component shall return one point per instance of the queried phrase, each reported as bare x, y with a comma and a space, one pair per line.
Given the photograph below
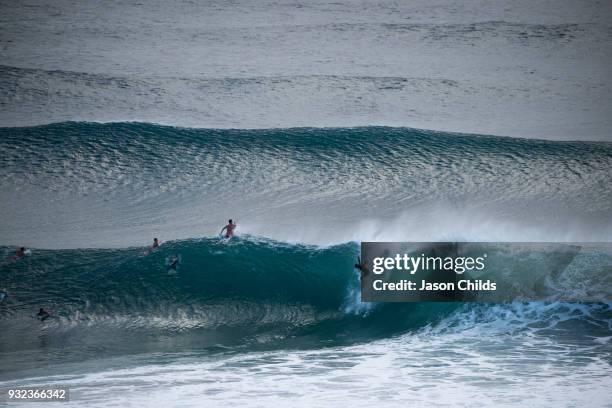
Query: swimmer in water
19, 253
174, 263
42, 315
155, 243
229, 229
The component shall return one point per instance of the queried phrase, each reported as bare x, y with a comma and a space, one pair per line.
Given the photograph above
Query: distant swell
119, 184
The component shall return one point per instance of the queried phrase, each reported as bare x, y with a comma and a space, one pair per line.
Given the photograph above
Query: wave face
247, 295
245, 292
115, 185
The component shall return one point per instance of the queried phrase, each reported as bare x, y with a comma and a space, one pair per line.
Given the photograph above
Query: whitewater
315, 126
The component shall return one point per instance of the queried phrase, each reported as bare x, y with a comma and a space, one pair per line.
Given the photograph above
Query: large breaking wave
247, 283
244, 288
242, 296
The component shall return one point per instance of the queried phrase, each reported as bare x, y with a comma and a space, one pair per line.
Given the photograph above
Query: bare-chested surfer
229, 229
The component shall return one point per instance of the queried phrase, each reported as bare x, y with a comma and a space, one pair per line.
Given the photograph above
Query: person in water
153, 247
229, 229
362, 266
19, 253
42, 314
174, 263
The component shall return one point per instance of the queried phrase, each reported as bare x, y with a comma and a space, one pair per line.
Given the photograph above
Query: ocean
315, 126
274, 316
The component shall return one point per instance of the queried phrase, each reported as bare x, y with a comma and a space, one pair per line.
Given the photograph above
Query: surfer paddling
229, 229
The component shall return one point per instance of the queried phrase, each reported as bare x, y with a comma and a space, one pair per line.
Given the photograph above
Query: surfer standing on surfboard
229, 229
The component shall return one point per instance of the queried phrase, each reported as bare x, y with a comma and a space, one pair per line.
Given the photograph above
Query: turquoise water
304, 122
225, 294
